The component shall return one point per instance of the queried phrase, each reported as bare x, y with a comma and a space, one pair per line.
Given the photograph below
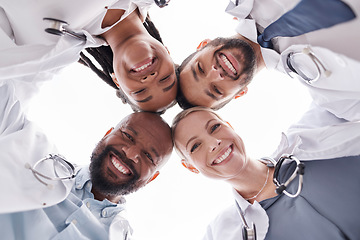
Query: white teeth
120, 167
143, 67
223, 157
228, 64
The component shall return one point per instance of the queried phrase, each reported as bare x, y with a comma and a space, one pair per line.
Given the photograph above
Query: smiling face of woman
146, 73
211, 145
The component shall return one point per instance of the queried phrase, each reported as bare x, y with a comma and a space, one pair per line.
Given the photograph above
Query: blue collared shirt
79, 216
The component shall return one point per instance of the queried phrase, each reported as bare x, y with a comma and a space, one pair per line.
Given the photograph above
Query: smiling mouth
228, 64
143, 65
119, 166
224, 156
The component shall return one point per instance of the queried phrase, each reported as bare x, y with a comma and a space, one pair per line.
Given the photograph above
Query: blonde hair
183, 114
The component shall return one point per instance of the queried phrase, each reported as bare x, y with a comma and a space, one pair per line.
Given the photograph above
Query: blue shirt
327, 207
79, 216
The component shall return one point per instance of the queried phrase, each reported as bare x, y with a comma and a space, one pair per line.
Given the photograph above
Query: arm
338, 93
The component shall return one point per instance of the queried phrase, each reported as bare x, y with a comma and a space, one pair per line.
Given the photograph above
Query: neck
100, 197
252, 181
260, 64
130, 26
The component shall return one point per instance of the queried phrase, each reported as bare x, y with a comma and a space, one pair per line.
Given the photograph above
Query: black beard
98, 175
247, 57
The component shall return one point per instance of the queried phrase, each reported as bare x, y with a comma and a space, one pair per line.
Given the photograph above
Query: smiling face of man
217, 72
127, 158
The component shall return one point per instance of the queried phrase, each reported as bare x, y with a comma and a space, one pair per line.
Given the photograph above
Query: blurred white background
77, 108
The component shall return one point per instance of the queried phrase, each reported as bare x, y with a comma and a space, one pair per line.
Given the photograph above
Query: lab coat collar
242, 10
247, 28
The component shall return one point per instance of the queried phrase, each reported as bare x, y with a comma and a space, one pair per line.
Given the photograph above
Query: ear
167, 50
189, 167
108, 132
241, 93
115, 80
230, 125
153, 177
203, 44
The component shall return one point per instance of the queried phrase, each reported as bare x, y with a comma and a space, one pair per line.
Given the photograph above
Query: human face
125, 160
217, 72
210, 145
146, 73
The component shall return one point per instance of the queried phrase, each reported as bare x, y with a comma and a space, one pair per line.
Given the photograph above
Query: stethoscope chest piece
249, 233
56, 26
59, 27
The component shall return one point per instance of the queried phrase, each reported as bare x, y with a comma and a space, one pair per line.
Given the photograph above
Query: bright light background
77, 108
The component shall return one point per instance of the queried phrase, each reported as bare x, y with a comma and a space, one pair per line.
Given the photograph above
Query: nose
215, 73
132, 153
214, 144
150, 77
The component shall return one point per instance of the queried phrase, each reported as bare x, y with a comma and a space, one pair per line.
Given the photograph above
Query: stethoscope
60, 27
297, 65
59, 164
249, 232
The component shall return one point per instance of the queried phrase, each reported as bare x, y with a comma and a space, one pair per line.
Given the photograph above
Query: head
218, 72
130, 155
208, 144
140, 69
145, 73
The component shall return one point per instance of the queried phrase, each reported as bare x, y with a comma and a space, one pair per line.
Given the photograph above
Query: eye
148, 155
139, 91
128, 136
217, 90
214, 127
164, 79
194, 147
200, 68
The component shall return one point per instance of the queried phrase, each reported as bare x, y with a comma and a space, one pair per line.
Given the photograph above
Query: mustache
121, 155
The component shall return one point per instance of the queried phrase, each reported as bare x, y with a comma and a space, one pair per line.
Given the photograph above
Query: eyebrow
145, 100
207, 92
206, 126
194, 73
155, 152
189, 141
132, 130
169, 87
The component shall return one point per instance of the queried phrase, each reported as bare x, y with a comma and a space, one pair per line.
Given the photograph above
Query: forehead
194, 123
142, 126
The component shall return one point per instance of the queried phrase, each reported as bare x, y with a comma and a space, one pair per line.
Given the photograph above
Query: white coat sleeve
21, 143
338, 93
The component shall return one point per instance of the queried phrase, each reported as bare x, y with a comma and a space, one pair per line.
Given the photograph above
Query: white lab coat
21, 142
30, 55
342, 38
338, 92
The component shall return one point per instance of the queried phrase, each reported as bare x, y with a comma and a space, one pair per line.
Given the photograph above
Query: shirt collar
82, 177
